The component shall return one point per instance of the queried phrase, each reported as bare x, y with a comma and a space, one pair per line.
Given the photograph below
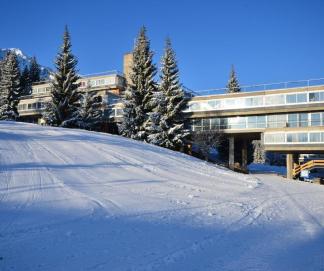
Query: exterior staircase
307, 166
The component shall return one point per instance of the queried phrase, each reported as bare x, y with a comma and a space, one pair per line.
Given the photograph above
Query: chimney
128, 63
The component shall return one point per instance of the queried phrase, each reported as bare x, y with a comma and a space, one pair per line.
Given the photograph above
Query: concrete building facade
288, 119
108, 85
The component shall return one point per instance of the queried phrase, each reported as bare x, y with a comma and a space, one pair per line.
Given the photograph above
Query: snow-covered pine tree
65, 95
138, 95
1, 65
34, 71
259, 155
90, 114
233, 84
10, 89
25, 83
166, 124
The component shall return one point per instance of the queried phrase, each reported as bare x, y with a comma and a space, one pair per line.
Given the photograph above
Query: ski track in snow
77, 200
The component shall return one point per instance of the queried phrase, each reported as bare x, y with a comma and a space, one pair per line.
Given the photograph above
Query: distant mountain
25, 60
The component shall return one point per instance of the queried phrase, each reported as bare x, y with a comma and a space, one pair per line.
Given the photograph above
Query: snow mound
78, 200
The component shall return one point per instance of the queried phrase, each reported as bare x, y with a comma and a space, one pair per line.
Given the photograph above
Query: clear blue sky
267, 41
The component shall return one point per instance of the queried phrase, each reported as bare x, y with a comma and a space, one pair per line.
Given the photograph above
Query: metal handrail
262, 87
102, 73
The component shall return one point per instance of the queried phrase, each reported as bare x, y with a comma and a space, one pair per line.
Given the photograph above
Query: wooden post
290, 165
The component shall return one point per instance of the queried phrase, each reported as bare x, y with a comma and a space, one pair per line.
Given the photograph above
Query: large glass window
314, 96
297, 137
315, 137
213, 104
253, 101
315, 119
292, 120
223, 123
252, 122
196, 124
277, 121
236, 123
274, 138
303, 120
194, 106
214, 123
302, 137
296, 98
302, 98
275, 99
206, 124
291, 98
229, 103
261, 121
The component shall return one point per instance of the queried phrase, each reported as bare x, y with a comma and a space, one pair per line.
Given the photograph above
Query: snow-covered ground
76, 200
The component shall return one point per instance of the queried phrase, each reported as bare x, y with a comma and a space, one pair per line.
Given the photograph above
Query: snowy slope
76, 200
24, 61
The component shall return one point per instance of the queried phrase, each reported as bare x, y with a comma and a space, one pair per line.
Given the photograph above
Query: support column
290, 165
231, 152
244, 155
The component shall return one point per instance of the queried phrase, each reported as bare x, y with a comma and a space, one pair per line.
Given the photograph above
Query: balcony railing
262, 87
112, 72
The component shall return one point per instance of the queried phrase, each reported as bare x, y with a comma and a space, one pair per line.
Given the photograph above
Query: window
261, 121
277, 121
256, 122
303, 120
254, 101
292, 120
194, 106
302, 137
236, 123
252, 122
214, 123
229, 103
213, 104
315, 119
274, 138
223, 123
206, 124
296, 98
275, 99
196, 124
297, 137
314, 96
302, 98
315, 137
291, 98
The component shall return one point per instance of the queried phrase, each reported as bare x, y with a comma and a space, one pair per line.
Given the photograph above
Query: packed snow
78, 200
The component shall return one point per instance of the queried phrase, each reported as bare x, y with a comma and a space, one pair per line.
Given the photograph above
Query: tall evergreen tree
166, 123
34, 71
89, 115
65, 95
138, 95
10, 89
233, 84
1, 65
25, 83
